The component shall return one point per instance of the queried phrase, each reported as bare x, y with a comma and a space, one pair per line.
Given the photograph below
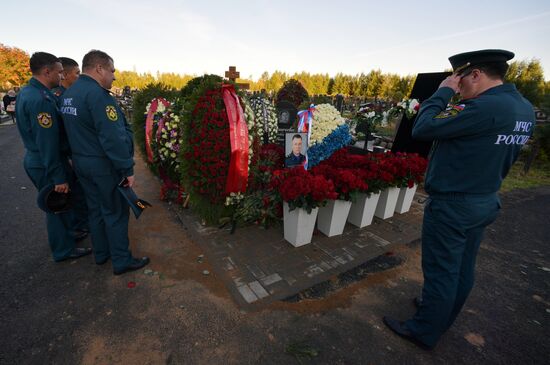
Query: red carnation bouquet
210, 148
348, 182
407, 169
365, 167
302, 189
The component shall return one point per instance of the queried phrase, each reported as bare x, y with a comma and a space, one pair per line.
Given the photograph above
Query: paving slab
258, 266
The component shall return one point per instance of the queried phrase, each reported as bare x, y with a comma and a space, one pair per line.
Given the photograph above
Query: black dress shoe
76, 253
80, 235
417, 302
136, 264
398, 327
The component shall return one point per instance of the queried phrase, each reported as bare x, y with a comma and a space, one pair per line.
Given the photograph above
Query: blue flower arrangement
338, 138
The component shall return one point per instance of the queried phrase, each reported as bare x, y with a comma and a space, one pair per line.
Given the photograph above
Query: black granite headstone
286, 120
340, 102
424, 86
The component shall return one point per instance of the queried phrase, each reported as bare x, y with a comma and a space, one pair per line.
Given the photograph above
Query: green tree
528, 76
330, 86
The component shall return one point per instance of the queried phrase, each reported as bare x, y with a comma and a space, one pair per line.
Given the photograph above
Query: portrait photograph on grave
286, 119
295, 149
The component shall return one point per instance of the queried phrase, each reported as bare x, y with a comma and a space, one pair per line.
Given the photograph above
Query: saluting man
102, 151
475, 143
39, 126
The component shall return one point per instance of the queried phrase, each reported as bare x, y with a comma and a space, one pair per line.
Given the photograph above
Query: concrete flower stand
332, 217
386, 203
298, 225
362, 211
404, 200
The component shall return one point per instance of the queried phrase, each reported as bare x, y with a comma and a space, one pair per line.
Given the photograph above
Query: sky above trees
349, 37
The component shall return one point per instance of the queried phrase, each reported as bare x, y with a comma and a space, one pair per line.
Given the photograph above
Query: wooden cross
233, 75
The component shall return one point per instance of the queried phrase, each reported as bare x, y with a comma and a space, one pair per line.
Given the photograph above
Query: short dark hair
495, 70
68, 62
296, 136
39, 60
94, 58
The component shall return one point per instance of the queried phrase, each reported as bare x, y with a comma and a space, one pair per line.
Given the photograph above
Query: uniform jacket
475, 141
96, 127
38, 122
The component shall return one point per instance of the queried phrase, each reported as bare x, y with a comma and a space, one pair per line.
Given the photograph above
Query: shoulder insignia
451, 111
45, 120
111, 113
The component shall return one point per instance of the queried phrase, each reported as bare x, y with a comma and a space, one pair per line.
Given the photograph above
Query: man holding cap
103, 156
39, 127
475, 143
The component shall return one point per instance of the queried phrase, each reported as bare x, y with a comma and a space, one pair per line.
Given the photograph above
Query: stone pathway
258, 266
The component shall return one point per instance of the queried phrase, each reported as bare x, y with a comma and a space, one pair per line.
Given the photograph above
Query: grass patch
301, 351
538, 175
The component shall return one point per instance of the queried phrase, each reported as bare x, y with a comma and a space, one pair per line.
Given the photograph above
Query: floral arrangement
292, 91
206, 150
252, 124
261, 204
382, 170
265, 114
302, 189
168, 142
139, 115
409, 106
326, 119
407, 169
338, 138
209, 147
347, 181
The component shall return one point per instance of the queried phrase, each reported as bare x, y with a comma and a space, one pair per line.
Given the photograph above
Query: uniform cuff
445, 92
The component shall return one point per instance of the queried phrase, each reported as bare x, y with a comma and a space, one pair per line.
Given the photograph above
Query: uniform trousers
108, 211
452, 231
80, 209
59, 226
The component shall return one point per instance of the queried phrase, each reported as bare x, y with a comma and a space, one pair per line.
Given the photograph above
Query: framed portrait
295, 149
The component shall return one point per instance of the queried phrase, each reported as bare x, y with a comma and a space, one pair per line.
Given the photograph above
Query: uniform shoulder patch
45, 120
451, 111
111, 113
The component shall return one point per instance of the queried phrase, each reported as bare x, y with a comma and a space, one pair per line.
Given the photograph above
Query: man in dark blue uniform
295, 158
39, 126
102, 150
475, 143
71, 71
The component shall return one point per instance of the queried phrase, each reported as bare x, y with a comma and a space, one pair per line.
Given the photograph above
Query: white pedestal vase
386, 203
362, 211
404, 200
332, 217
298, 225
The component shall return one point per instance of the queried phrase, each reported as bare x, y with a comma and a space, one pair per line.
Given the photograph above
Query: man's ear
476, 74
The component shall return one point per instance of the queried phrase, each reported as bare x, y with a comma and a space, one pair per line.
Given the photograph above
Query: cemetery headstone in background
286, 119
424, 86
340, 102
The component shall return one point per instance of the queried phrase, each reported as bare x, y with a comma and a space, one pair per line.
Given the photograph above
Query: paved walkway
258, 266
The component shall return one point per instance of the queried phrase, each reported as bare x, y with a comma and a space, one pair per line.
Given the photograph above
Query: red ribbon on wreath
237, 178
149, 125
